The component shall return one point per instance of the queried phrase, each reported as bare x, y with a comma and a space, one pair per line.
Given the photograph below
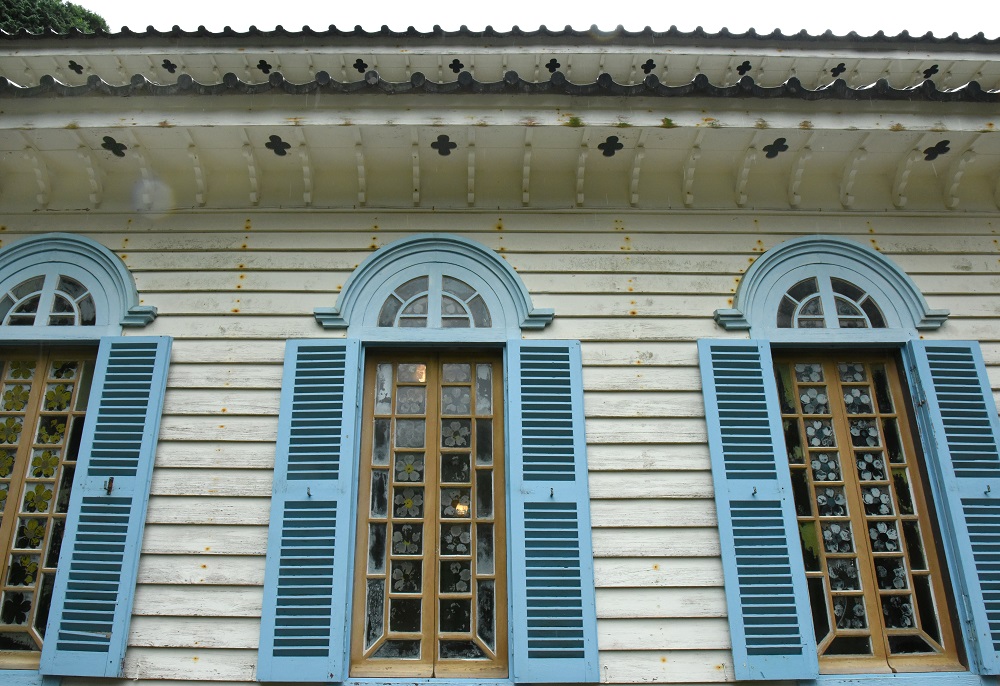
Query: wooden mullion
852, 489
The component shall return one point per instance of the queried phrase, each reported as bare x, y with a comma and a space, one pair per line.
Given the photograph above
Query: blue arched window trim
434, 254
769, 278
98, 269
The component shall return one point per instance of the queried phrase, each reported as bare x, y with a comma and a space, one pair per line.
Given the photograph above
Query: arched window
822, 288
60, 286
437, 284
451, 453
839, 439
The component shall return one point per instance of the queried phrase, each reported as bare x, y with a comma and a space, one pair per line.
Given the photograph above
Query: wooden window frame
949, 659
430, 665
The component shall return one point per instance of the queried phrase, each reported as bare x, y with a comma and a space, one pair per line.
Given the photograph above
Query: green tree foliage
38, 15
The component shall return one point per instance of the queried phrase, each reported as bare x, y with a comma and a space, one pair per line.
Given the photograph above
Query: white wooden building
243, 201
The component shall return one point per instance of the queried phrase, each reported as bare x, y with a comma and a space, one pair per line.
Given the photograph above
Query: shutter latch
109, 484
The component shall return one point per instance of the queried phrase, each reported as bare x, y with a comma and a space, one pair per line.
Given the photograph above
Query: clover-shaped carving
648, 66
552, 65
456, 66
778, 146
930, 71
169, 66
744, 68
444, 145
114, 147
610, 146
279, 146
264, 66
838, 70
78, 68
360, 65
933, 152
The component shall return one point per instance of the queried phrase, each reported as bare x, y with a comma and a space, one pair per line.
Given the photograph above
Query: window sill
435, 681
926, 679
26, 677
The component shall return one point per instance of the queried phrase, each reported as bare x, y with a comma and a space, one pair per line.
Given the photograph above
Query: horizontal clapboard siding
230, 309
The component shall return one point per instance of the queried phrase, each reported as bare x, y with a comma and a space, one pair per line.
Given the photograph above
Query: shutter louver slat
765, 580
307, 574
961, 435
552, 579
92, 598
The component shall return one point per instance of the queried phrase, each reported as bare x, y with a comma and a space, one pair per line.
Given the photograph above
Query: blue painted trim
27, 677
100, 270
761, 288
953, 492
129, 370
927, 679
755, 509
359, 298
566, 494
313, 402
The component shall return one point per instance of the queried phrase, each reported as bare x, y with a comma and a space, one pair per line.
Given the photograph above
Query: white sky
941, 17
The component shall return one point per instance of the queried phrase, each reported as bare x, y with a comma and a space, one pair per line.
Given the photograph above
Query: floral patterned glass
431, 595
70, 304
807, 305
874, 591
437, 301
42, 406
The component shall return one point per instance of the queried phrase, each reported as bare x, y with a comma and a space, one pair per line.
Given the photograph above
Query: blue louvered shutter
766, 591
961, 437
307, 574
88, 624
554, 624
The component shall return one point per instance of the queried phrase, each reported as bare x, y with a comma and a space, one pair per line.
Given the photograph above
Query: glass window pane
390, 308
383, 389
484, 442
412, 288
25, 288
88, 313
480, 313
460, 289
484, 389
484, 549
71, 287
484, 493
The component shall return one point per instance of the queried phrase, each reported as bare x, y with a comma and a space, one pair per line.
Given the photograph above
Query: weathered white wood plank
681, 542
617, 486
641, 405
171, 600
202, 570
644, 513
650, 572
173, 509
537, 241
219, 539
195, 632
655, 603
210, 454
215, 376
221, 428
641, 378
649, 430
663, 634
240, 280
250, 327
252, 402
213, 483
195, 664
227, 351
647, 353
668, 666
656, 457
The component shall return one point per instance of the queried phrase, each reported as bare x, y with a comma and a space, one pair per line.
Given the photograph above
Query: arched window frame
99, 270
437, 255
318, 453
769, 278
